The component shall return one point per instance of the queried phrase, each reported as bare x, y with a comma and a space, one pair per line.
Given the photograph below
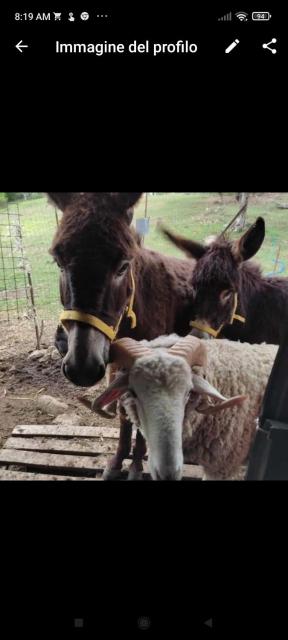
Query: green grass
196, 216
38, 225
200, 215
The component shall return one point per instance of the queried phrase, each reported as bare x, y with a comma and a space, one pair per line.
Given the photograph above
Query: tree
11, 197
242, 198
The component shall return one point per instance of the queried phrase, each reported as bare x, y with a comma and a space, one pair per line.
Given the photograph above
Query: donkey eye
59, 265
124, 266
225, 295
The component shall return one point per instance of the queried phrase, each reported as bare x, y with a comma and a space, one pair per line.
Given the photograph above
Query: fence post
34, 310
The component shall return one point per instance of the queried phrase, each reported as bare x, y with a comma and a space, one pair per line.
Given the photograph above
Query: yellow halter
215, 332
95, 322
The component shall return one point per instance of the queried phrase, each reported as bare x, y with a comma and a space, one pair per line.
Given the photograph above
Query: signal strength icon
228, 16
242, 16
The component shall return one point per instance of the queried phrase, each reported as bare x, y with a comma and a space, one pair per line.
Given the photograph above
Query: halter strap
215, 332
129, 312
97, 323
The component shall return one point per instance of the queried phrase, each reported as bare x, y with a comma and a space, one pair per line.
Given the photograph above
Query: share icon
266, 45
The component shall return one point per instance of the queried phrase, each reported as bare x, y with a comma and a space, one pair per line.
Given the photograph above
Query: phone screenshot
144, 335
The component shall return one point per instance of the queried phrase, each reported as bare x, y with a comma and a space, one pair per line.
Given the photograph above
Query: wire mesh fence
28, 276
14, 299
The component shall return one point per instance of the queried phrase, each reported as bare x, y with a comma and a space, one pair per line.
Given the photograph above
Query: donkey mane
90, 224
216, 264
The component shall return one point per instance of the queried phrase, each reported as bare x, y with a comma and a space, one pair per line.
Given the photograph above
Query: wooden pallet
51, 452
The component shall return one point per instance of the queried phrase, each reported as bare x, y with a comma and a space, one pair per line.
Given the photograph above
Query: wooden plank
194, 473
51, 460
28, 450
72, 445
190, 471
60, 431
21, 475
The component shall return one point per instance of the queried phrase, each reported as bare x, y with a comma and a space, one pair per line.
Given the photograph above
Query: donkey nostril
65, 370
83, 377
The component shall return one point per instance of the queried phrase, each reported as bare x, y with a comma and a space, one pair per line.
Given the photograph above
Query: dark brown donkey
221, 272
99, 255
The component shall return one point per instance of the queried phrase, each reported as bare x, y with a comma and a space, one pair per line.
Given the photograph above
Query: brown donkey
110, 286
231, 298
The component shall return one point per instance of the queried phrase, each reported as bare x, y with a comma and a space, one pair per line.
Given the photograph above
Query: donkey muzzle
87, 357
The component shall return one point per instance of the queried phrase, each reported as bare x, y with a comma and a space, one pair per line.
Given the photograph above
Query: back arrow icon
21, 46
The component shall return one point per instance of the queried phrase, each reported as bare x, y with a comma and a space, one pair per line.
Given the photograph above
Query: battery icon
261, 15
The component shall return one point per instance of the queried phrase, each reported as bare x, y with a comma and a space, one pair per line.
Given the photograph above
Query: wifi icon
242, 16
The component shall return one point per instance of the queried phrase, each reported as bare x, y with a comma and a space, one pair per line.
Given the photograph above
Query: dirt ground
21, 379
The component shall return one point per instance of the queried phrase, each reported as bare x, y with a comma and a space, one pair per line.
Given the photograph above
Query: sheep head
126, 352
154, 388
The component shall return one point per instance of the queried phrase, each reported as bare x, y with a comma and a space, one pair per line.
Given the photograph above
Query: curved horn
192, 349
125, 352
112, 393
89, 404
232, 402
203, 387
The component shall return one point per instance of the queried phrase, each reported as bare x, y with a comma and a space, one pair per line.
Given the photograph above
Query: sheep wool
221, 442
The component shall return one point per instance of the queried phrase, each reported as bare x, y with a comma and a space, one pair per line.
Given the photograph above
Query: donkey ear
192, 249
61, 200
251, 242
126, 200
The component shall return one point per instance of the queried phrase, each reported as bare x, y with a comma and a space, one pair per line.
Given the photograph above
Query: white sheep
175, 391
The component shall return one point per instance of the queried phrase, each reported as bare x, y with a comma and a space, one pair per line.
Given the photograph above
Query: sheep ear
61, 200
203, 387
192, 249
251, 241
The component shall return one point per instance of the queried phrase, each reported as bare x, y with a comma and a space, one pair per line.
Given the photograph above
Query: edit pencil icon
232, 46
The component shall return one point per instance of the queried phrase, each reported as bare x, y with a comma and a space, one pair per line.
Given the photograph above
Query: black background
179, 553
186, 119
